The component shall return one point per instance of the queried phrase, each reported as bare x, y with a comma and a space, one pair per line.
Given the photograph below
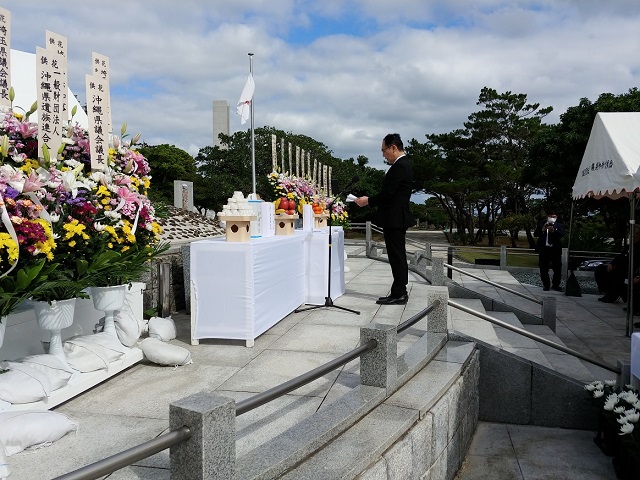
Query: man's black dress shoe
546, 289
557, 289
608, 299
393, 300
384, 298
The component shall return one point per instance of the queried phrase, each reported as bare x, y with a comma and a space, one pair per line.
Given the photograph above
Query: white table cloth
317, 262
241, 289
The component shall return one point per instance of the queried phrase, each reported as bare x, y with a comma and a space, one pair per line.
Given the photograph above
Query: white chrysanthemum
626, 428
632, 415
54, 217
619, 409
610, 404
598, 393
98, 226
610, 383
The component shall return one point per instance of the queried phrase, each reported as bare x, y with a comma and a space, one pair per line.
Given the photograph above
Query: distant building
220, 120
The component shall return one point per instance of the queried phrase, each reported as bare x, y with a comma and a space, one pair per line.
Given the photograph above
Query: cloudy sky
343, 72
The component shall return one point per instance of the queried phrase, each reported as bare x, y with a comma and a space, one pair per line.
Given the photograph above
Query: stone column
549, 312
378, 367
210, 453
437, 318
503, 257
437, 271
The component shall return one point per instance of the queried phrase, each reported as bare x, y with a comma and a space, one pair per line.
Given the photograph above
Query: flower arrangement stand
237, 227
286, 224
54, 317
109, 300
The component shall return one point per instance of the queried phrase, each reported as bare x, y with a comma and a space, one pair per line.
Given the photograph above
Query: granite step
471, 326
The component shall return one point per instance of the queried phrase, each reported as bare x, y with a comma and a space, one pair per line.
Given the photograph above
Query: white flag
244, 104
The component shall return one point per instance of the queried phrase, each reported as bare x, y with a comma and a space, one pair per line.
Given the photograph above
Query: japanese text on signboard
96, 90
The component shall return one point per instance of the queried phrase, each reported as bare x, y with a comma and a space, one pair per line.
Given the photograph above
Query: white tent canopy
611, 162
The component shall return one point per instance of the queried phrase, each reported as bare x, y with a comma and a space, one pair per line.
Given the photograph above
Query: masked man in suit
393, 215
549, 247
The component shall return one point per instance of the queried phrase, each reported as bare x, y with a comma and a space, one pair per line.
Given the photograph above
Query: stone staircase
472, 327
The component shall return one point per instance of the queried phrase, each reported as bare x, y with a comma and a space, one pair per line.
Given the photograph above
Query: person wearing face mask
549, 247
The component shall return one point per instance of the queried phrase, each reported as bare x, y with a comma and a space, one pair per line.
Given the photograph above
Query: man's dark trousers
553, 256
394, 240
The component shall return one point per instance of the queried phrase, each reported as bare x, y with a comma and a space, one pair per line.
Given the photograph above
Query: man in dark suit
549, 248
394, 215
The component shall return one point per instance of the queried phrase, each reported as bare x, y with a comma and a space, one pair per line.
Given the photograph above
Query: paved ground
133, 407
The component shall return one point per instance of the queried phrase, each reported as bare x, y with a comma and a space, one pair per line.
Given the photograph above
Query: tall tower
220, 120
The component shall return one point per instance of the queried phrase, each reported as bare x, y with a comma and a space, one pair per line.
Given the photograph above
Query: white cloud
412, 67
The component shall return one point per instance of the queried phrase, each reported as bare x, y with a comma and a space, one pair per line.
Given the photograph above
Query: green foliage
28, 281
591, 234
168, 163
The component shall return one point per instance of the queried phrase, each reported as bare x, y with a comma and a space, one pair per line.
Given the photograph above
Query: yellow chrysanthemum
104, 191
7, 243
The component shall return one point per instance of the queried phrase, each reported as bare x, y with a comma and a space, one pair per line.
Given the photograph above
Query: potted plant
618, 432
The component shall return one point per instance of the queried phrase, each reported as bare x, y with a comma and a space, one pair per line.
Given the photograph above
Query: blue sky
343, 72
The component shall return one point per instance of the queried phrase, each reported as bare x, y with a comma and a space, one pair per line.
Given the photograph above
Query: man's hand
362, 201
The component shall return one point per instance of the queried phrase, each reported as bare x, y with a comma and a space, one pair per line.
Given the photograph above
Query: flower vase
54, 317
109, 300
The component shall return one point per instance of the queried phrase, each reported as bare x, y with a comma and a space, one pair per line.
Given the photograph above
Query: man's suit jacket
393, 200
554, 237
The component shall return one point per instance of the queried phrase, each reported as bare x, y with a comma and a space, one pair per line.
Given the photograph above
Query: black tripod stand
328, 302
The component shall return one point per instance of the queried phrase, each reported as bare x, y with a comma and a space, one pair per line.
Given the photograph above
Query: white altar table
241, 289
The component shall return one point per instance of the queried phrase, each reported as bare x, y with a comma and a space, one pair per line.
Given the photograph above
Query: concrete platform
132, 407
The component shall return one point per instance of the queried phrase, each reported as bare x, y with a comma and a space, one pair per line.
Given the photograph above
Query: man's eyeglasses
385, 148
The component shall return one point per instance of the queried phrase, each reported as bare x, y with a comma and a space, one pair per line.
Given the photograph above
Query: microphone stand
328, 302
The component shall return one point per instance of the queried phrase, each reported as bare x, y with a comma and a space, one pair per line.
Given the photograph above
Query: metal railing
494, 284
127, 457
534, 337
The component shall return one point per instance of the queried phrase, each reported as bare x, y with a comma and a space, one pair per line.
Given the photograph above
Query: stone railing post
437, 318
503, 257
437, 271
379, 367
625, 377
427, 251
368, 238
565, 264
549, 312
210, 453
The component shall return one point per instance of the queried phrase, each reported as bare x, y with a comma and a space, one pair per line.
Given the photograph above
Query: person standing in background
549, 248
393, 215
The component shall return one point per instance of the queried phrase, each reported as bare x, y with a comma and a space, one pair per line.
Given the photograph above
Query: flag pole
253, 143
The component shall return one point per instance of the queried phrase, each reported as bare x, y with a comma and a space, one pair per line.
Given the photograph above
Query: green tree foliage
478, 173
168, 163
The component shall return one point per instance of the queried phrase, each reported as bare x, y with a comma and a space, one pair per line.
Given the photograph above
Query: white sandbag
128, 328
5, 471
165, 353
22, 383
88, 353
51, 366
32, 429
162, 328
